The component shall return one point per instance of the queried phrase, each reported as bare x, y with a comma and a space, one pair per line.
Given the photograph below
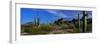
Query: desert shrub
27, 30
64, 27
47, 28
67, 26
71, 26
89, 28
35, 31
41, 30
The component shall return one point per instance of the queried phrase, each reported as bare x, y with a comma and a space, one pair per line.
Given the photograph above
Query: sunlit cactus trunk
78, 22
85, 14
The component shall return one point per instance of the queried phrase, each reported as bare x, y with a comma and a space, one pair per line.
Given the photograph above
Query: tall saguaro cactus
79, 22
85, 14
35, 21
38, 22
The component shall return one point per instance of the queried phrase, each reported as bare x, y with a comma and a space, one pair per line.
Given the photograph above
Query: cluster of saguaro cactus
85, 14
37, 21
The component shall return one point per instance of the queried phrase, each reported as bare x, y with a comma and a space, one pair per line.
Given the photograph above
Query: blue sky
48, 15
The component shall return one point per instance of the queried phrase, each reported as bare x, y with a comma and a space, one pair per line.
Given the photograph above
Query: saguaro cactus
38, 22
79, 22
35, 21
85, 14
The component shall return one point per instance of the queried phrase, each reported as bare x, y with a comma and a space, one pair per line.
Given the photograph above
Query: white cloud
59, 14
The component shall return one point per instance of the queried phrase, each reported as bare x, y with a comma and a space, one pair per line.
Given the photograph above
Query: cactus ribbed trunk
79, 22
85, 14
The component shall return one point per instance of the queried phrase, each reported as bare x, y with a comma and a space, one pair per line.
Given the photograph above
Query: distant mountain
28, 23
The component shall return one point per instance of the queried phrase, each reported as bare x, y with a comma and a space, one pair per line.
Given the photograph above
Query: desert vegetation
60, 26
